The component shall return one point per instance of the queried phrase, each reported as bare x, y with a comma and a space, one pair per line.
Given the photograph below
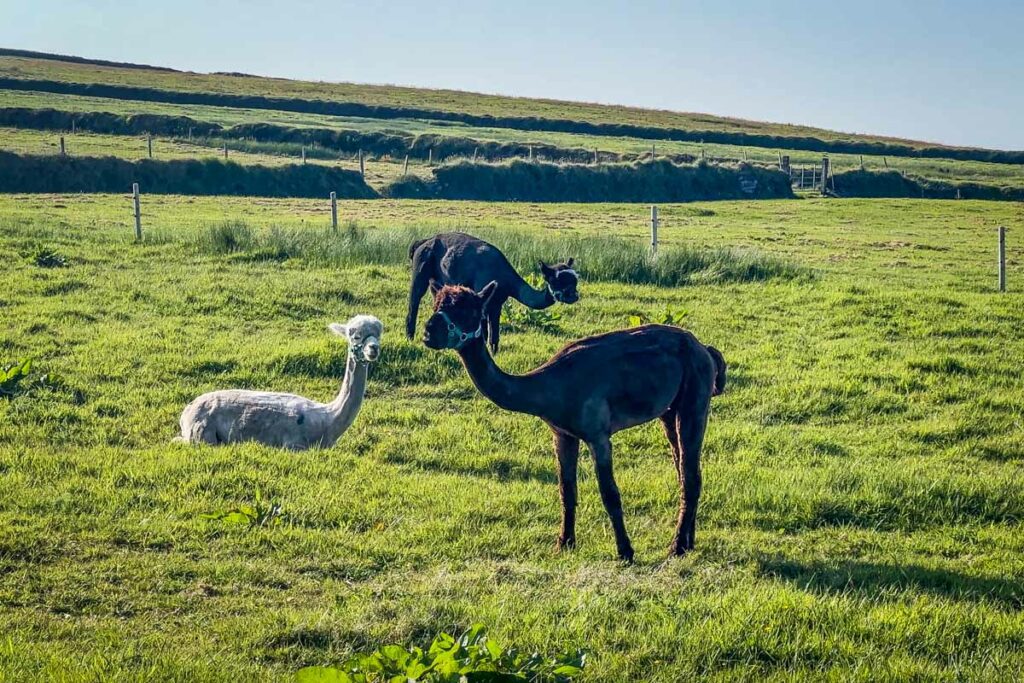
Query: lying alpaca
287, 420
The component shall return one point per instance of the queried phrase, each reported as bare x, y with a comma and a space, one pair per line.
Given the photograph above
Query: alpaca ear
570, 261
435, 286
338, 329
546, 270
487, 292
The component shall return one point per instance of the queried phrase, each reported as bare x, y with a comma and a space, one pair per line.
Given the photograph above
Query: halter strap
456, 335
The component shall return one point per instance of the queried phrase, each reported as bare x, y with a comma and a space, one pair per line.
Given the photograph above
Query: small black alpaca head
562, 281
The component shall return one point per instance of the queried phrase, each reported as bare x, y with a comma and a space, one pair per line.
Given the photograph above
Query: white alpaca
287, 420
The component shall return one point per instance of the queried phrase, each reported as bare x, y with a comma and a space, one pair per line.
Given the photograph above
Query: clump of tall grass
598, 258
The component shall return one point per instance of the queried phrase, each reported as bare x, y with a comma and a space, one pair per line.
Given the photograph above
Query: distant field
378, 172
863, 472
1008, 175
442, 100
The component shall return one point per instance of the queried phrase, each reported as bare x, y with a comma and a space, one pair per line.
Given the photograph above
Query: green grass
937, 169
442, 100
863, 488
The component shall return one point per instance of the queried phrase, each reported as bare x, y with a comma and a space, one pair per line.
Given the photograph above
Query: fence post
824, 175
62, 145
303, 154
405, 166
362, 165
190, 133
334, 210
1002, 258
784, 164
654, 230
225, 151
149, 145
531, 153
653, 152
475, 150
138, 213
430, 156
595, 157
885, 161
72, 126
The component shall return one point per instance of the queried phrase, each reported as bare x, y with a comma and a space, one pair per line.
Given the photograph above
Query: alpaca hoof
566, 543
681, 546
626, 555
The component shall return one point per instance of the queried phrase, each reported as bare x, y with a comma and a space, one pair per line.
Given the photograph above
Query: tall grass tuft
598, 258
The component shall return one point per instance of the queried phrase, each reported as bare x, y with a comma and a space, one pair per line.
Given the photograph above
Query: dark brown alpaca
455, 258
593, 388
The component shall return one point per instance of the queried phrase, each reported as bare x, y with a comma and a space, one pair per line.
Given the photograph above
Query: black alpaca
455, 258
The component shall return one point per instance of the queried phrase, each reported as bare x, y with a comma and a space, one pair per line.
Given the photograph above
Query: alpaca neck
518, 393
345, 407
533, 298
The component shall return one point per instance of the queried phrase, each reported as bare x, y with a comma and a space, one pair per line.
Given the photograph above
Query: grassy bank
862, 474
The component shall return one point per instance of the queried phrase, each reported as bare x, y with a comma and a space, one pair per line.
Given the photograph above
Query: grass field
441, 100
863, 490
936, 169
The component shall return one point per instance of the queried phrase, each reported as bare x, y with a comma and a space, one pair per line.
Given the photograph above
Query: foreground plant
15, 378
262, 513
471, 657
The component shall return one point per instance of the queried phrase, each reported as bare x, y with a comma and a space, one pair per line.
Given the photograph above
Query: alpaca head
458, 316
562, 281
363, 334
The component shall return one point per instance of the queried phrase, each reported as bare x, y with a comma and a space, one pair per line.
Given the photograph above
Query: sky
942, 71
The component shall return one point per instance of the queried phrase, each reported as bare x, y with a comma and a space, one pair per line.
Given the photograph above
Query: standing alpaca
287, 420
455, 258
593, 388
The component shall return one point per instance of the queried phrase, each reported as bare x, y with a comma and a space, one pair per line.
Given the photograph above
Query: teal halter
456, 337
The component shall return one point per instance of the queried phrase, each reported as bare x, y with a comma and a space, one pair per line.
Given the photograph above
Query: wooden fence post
824, 175
1002, 258
225, 151
62, 152
72, 126
362, 164
595, 158
654, 230
531, 153
334, 210
475, 150
190, 133
430, 156
138, 212
885, 161
405, 166
303, 154
653, 152
149, 145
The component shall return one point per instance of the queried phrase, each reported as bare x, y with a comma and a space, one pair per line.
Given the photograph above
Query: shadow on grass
875, 580
497, 468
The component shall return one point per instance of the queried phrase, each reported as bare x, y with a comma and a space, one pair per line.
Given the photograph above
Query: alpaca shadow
497, 469
873, 580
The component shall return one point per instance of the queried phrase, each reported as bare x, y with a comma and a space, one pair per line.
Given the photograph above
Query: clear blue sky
946, 71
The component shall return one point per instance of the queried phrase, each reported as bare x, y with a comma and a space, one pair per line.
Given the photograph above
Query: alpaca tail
719, 359
414, 246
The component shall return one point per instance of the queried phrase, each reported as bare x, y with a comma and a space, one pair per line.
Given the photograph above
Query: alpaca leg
668, 421
602, 452
419, 286
690, 428
493, 315
567, 450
